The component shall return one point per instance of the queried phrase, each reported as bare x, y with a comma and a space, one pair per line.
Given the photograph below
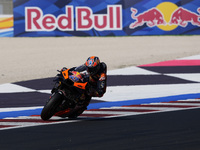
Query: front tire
50, 107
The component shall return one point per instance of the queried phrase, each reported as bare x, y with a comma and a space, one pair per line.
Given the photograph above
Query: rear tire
50, 107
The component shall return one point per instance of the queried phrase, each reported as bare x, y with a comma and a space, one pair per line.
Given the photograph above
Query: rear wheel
50, 107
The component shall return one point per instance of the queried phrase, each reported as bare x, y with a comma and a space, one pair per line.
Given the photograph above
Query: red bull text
35, 20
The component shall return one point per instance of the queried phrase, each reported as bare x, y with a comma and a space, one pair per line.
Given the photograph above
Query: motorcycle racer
95, 74
97, 77
74, 88
97, 80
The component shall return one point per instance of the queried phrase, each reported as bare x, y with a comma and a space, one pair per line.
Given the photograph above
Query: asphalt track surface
177, 130
172, 130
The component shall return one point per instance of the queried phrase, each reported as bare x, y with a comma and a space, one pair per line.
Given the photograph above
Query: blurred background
6, 7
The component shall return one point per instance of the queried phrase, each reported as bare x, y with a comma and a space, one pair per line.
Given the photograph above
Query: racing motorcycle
68, 97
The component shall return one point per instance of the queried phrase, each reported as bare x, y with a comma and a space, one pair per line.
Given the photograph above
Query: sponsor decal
166, 16
85, 19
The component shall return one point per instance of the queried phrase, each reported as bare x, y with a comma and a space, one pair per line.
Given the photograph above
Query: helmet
93, 65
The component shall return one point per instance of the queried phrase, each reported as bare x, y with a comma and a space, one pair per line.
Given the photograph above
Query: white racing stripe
119, 93
188, 100
147, 108
19, 109
13, 88
20, 123
175, 104
27, 121
109, 112
131, 71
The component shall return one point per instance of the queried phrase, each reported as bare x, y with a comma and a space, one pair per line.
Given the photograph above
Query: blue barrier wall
106, 17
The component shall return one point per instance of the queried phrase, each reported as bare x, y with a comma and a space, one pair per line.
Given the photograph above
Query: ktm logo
167, 16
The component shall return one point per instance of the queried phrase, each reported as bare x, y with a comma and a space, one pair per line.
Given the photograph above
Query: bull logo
152, 17
164, 18
182, 16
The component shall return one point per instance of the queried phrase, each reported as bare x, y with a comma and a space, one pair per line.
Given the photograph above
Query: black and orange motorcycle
69, 98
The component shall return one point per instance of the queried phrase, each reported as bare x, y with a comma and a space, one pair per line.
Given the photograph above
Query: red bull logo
152, 17
167, 16
35, 20
183, 16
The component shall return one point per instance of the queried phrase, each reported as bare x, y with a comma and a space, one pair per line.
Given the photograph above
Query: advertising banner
6, 25
105, 17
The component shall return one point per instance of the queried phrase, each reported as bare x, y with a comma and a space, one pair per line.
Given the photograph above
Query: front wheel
50, 107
